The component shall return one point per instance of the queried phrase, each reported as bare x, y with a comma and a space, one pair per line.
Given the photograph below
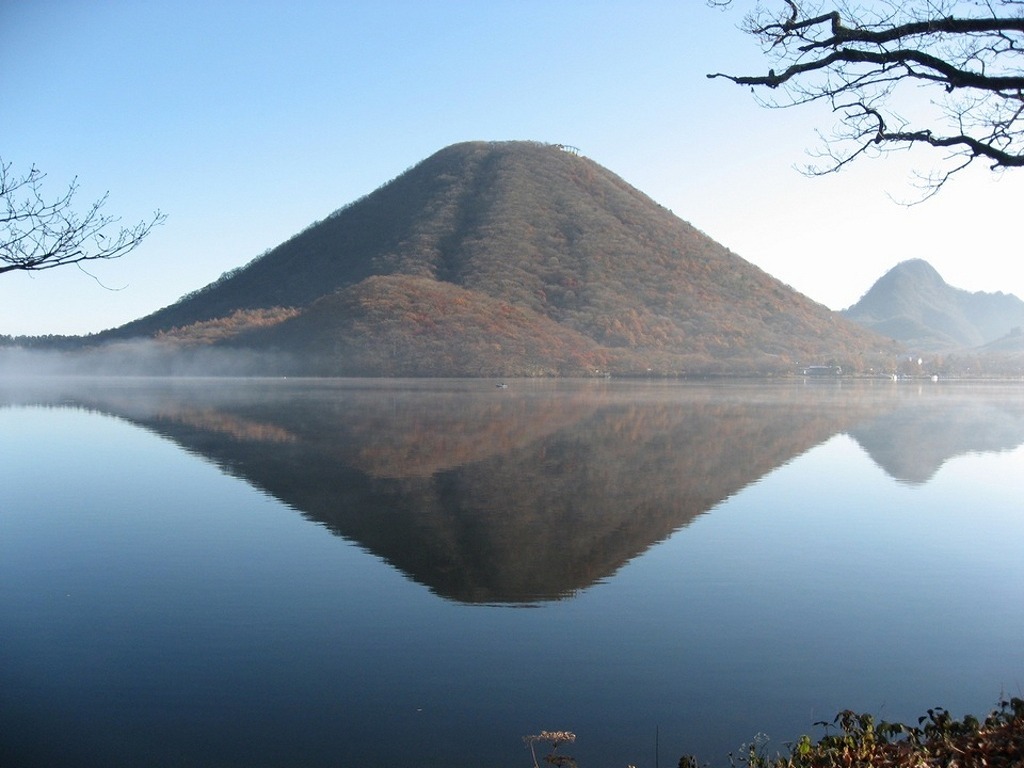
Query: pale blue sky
245, 122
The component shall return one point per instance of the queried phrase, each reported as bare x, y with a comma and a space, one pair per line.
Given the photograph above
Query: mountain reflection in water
534, 492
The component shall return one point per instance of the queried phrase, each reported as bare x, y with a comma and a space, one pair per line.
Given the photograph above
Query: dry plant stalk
555, 739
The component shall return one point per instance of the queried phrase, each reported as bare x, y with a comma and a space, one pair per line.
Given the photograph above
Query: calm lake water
420, 573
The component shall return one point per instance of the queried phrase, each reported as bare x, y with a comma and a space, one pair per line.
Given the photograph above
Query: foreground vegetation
856, 741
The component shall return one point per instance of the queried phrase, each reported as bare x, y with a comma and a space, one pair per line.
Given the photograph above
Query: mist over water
141, 357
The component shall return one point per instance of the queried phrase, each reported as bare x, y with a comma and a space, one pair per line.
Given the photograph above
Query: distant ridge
912, 304
505, 259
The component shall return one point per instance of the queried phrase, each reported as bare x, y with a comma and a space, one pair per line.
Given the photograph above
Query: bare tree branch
969, 55
38, 233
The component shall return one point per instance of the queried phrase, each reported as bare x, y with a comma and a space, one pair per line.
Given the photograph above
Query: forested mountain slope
509, 258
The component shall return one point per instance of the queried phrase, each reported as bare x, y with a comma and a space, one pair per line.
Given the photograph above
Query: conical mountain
509, 258
914, 305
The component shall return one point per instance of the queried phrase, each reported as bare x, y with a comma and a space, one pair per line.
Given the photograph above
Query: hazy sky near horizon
246, 122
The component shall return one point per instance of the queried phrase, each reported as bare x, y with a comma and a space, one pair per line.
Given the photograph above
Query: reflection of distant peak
912, 443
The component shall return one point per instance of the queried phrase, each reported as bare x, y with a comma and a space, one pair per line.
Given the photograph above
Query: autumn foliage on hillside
222, 328
415, 326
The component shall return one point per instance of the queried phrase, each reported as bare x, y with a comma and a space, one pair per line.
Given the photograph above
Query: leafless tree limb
38, 233
967, 55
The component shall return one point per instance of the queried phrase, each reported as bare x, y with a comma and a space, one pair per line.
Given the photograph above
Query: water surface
402, 573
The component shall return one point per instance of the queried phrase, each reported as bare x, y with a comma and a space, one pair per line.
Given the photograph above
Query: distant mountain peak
911, 303
917, 265
916, 269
